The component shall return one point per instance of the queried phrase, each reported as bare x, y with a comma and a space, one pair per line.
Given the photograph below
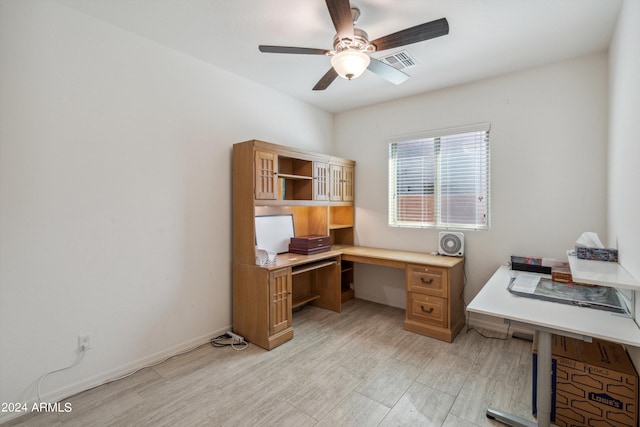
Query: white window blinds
441, 179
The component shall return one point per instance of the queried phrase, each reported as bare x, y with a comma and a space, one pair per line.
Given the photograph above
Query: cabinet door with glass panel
280, 294
320, 181
266, 176
341, 183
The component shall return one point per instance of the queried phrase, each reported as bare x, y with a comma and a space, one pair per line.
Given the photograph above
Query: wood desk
368, 255
434, 287
434, 284
547, 318
394, 258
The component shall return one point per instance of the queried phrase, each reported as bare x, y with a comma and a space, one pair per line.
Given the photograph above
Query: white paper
265, 257
525, 283
589, 239
274, 232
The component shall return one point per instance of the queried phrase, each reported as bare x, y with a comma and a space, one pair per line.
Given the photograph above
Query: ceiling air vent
400, 60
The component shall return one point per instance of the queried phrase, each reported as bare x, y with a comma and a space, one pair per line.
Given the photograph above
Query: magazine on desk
591, 296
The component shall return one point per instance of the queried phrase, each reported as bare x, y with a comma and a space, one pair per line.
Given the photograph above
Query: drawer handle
426, 311
426, 282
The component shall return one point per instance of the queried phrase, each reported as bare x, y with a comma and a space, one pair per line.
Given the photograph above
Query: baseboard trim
375, 298
496, 326
116, 373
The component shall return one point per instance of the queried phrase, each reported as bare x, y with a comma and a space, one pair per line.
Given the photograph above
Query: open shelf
347, 294
300, 301
339, 226
311, 266
294, 167
346, 281
602, 273
289, 176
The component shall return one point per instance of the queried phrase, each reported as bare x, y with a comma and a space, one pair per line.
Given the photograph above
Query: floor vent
400, 60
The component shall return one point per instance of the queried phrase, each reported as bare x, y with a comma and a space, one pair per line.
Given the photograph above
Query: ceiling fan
351, 45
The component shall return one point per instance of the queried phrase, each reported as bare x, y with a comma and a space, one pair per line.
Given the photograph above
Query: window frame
481, 157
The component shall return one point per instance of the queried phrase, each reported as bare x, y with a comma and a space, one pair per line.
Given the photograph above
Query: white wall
115, 181
624, 149
115, 172
548, 168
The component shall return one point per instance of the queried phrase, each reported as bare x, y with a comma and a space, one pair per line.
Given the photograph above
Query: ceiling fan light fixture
351, 46
350, 63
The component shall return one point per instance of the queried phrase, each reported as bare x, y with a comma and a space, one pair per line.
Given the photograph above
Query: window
441, 179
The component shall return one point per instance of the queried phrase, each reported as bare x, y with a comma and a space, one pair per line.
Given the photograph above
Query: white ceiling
486, 38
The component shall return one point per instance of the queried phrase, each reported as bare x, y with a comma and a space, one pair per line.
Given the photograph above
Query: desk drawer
427, 280
427, 309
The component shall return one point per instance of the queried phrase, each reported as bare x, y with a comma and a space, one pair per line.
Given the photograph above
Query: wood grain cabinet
434, 300
341, 182
320, 181
348, 178
280, 301
262, 304
426, 279
270, 179
427, 310
266, 175
318, 191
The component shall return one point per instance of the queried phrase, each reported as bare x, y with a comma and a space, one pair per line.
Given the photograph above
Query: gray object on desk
596, 297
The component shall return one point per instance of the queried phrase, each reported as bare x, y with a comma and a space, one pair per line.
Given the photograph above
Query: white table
547, 318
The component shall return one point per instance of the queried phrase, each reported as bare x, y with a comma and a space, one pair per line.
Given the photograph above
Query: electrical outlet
84, 342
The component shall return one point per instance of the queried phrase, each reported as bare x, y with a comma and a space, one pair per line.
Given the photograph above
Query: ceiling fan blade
326, 80
289, 49
387, 72
340, 11
426, 31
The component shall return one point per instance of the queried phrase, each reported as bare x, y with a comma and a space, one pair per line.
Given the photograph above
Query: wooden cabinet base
444, 334
434, 300
347, 295
276, 340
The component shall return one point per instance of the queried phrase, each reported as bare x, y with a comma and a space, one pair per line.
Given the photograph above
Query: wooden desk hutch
318, 190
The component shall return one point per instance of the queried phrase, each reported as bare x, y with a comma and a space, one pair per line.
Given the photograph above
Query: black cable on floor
225, 340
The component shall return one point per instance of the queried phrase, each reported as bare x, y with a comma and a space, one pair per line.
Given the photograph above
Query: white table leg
543, 393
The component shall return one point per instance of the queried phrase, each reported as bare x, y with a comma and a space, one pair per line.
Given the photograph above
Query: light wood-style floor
356, 368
